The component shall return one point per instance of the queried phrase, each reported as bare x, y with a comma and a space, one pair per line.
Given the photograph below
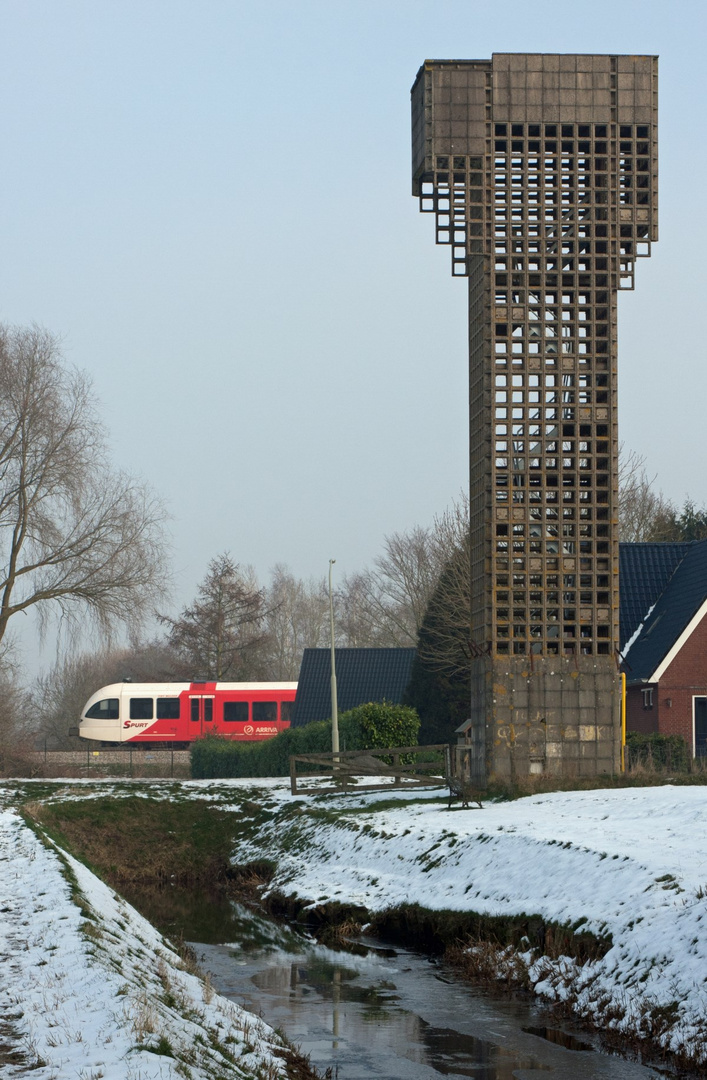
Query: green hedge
367, 727
656, 751
382, 724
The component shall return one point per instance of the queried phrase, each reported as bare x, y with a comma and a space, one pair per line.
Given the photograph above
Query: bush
368, 727
656, 751
382, 724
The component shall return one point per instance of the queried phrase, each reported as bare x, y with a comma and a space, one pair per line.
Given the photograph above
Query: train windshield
107, 709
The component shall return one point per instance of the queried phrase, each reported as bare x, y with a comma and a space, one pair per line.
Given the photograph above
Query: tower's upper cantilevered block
541, 172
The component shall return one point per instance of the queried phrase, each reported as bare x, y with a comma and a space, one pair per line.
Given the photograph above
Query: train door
201, 714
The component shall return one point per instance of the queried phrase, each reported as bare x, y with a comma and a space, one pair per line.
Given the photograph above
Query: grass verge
142, 840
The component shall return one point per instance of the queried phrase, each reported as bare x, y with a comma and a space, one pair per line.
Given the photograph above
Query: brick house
664, 639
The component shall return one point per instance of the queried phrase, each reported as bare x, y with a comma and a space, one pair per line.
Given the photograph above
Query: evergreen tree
440, 682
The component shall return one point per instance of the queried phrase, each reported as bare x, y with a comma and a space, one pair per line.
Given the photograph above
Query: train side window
208, 709
141, 708
195, 709
286, 711
264, 712
235, 712
107, 709
167, 708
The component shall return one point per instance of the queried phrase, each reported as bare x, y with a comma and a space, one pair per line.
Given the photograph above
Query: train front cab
134, 712
101, 718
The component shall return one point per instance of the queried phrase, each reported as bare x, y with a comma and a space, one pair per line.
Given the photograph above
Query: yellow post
623, 721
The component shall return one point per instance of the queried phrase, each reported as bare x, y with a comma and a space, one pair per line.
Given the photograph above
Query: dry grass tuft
494, 966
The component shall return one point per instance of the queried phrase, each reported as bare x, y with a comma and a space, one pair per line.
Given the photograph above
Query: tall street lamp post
334, 703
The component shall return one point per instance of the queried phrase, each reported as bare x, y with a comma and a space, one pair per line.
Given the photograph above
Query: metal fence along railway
142, 763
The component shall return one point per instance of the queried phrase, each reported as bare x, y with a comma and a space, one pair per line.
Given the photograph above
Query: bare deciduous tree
385, 606
645, 515
354, 628
17, 731
297, 618
221, 635
76, 537
59, 696
642, 510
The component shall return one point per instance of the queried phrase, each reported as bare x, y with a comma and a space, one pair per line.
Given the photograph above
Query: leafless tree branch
76, 537
644, 512
221, 634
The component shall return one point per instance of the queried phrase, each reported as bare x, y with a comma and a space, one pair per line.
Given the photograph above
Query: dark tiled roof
644, 571
362, 675
682, 597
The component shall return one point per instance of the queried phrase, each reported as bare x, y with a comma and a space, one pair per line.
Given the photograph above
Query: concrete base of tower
552, 716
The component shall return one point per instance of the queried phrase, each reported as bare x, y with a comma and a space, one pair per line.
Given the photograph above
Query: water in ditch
377, 1012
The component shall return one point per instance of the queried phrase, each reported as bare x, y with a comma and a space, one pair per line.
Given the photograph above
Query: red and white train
178, 713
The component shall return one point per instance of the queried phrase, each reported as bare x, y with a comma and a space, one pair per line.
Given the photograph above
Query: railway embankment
96, 761
594, 901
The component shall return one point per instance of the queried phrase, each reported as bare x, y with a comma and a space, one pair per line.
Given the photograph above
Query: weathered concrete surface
541, 174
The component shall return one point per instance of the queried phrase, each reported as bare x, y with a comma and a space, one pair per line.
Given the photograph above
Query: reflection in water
463, 1055
208, 917
560, 1038
387, 1014
373, 1013
334, 982
447, 1050
355, 1013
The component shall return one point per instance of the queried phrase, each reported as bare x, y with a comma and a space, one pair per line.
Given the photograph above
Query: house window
647, 697
700, 732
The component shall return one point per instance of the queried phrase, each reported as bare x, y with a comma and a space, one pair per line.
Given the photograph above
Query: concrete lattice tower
541, 171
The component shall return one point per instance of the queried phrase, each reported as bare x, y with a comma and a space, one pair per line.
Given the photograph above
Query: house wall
684, 678
638, 718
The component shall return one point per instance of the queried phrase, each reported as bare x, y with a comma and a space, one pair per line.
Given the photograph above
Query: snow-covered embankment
629, 863
90, 989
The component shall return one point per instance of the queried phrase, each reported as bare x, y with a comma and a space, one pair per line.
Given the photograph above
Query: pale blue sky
210, 203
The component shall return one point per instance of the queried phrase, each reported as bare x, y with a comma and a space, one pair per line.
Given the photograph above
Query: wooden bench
464, 790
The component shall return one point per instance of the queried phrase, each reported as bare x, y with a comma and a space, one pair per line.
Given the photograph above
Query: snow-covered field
89, 989
81, 992
631, 862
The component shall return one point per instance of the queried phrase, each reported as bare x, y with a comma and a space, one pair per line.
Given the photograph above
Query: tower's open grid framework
541, 171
